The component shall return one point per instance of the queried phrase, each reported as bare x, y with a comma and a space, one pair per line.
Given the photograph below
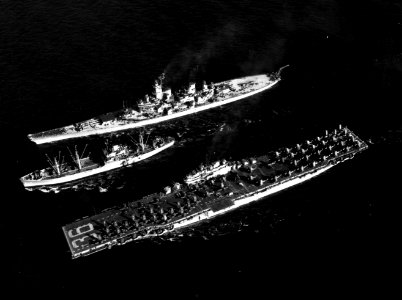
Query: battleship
164, 105
120, 156
211, 190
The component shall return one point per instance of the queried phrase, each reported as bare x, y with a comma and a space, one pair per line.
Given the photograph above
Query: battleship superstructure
211, 190
120, 156
163, 105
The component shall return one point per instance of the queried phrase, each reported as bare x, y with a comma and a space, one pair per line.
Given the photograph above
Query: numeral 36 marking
78, 242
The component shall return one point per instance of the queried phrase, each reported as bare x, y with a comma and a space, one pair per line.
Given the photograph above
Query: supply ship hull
163, 107
210, 191
88, 168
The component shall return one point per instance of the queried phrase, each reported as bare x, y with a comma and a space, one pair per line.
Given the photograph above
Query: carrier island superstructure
164, 105
212, 190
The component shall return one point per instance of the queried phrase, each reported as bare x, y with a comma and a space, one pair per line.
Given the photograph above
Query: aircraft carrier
212, 190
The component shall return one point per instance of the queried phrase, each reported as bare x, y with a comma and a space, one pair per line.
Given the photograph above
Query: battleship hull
214, 194
262, 83
93, 171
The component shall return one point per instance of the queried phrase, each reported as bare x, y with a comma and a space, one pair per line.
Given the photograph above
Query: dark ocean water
65, 61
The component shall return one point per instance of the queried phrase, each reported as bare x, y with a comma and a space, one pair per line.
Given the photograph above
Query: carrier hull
212, 194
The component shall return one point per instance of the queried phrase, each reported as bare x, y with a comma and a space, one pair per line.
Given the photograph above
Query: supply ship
212, 190
163, 105
120, 156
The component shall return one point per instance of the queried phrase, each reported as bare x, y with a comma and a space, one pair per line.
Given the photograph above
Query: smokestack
158, 90
168, 93
204, 86
191, 88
